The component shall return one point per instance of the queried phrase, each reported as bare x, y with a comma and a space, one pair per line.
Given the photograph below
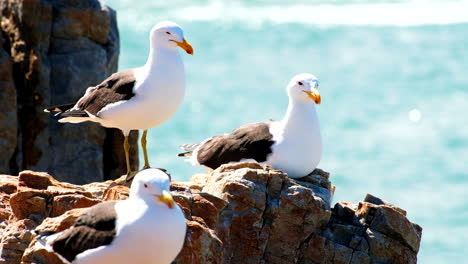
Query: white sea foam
381, 14
402, 13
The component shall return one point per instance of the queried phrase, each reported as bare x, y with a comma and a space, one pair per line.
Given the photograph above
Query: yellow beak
185, 45
314, 95
167, 199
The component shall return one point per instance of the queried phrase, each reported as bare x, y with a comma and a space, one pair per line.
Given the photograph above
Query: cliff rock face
50, 52
8, 117
240, 213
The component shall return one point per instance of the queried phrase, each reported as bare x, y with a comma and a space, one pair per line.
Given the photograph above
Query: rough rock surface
50, 52
240, 213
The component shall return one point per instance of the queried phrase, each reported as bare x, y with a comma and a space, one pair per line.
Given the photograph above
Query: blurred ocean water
394, 84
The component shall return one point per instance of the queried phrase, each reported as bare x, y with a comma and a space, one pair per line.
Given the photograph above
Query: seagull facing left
147, 228
140, 98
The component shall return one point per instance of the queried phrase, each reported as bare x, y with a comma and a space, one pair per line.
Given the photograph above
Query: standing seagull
147, 228
139, 98
293, 144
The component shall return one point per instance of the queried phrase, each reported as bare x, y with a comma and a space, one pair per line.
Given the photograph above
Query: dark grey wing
94, 228
117, 87
251, 141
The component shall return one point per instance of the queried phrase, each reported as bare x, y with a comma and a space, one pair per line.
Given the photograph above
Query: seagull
293, 145
147, 228
139, 98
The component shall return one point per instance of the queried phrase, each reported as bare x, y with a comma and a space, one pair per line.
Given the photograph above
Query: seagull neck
161, 55
143, 198
299, 113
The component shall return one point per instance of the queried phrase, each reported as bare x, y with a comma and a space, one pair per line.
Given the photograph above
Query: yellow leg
130, 173
145, 153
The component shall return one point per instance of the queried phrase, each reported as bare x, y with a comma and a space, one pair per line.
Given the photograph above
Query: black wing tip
57, 113
184, 154
74, 113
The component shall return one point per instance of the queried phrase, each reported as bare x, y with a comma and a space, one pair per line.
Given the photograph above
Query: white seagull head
303, 87
169, 35
152, 185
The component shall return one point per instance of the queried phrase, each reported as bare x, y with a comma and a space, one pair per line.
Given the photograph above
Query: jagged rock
366, 233
202, 211
50, 52
267, 216
15, 239
239, 213
8, 184
387, 220
61, 222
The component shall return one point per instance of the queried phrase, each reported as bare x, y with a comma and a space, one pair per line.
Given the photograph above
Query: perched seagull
139, 98
147, 228
293, 144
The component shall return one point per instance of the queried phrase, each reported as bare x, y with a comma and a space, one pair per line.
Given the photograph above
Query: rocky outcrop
372, 231
267, 216
51, 52
240, 213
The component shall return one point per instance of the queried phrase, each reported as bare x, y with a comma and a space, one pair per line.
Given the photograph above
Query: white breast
298, 143
147, 235
159, 92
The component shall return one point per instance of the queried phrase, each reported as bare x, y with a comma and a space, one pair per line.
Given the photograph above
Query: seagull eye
300, 83
167, 32
146, 185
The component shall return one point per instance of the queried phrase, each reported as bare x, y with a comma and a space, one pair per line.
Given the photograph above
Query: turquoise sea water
394, 85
